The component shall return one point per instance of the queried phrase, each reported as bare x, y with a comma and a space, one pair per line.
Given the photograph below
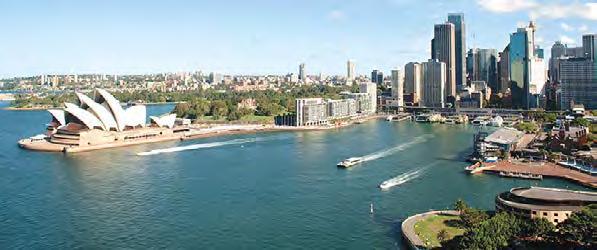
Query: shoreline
196, 132
27, 109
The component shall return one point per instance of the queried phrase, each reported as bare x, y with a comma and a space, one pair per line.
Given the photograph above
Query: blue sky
259, 36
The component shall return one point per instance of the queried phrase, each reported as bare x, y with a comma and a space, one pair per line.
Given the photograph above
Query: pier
542, 169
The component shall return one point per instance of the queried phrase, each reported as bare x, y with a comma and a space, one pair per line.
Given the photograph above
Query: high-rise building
370, 89
589, 44
578, 83
472, 65
503, 71
350, 68
558, 50
413, 80
215, 78
434, 83
302, 72
444, 44
522, 46
487, 67
398, 87
377, 77
460, 36
578, 76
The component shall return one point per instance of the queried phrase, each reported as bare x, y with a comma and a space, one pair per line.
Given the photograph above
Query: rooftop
554, 194
505, 136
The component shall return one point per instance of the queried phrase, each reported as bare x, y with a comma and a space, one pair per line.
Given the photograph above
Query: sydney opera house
102, 122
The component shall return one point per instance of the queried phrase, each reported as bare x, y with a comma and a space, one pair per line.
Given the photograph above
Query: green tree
442, 235
201, 107
494, 233
580, 227
219, 109
472, 217
181, 109
581, 122
460, 206
537, 227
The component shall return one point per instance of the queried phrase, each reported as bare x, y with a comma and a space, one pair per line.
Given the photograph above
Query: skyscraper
589, 44
413, 80
488, 67
434, 83
522, 45
460, 49
350, 68
504, 71
398, 87
377, 77
444, 48
302, 72
578, 76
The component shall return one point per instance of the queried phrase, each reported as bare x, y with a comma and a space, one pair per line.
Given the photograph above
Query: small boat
481, 121
349, 162
422, 118
389, 118
386, 184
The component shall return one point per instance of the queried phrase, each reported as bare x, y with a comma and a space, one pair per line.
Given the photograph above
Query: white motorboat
349, 162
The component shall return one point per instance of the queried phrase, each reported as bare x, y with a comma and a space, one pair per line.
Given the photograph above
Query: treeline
507, 230
209, 102
220, 104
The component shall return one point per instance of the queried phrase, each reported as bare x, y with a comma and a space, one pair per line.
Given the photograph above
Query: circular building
552, 204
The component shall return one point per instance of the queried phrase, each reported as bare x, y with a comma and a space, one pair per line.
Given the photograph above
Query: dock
539, 170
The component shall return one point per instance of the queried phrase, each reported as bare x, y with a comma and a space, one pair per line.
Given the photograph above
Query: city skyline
65, 37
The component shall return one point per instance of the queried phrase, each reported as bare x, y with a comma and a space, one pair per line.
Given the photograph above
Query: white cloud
567, 40
336, 15
583, 28
506, 5
557, 11
566, 27
543, 10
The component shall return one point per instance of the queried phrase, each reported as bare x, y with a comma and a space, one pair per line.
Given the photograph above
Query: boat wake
396, 149
206, 145
404, 178
401, 179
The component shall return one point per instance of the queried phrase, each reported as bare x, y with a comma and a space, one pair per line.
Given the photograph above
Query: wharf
543, 169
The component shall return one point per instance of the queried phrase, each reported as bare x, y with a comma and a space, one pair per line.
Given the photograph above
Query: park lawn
245, 119
428, 229
257, 119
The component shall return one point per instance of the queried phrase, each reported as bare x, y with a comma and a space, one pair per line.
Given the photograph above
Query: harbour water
256, 191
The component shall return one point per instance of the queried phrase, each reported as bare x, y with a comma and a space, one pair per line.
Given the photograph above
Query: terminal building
555, 205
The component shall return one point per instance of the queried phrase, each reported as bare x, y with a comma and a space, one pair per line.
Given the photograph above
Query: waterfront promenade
546, 169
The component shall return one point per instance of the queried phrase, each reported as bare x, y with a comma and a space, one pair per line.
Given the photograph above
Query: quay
539, 170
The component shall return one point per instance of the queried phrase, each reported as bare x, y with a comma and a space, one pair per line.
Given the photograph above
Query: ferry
349, 162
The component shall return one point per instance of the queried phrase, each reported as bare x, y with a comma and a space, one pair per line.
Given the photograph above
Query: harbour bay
273, 190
